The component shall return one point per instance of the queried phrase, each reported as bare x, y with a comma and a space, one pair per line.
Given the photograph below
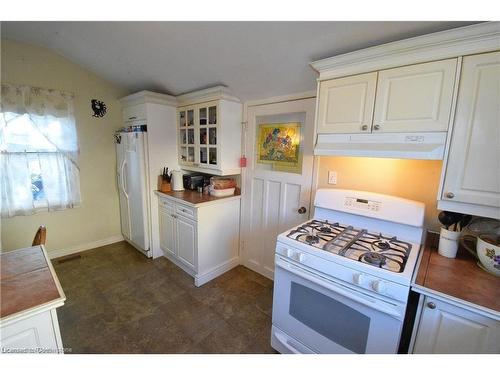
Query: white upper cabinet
209, 131
473, 166
409, 99
346, 104
415, 98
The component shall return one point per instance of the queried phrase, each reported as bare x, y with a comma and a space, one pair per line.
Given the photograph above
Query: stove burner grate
312, 239
357, 244
376, 259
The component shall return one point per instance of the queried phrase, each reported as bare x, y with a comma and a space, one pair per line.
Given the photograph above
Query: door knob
302, 210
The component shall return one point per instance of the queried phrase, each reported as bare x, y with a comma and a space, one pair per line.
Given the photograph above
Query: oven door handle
336, 288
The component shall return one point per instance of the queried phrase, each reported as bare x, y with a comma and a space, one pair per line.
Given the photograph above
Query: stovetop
373, 249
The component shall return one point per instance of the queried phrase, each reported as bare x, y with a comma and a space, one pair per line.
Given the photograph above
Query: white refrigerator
132, 180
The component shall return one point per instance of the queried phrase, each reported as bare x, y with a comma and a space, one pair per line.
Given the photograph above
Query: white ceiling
254, 59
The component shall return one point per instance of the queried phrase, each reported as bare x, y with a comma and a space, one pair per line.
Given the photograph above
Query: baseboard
199, 280
83, 247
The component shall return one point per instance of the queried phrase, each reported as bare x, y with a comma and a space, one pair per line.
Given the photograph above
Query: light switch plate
332, 177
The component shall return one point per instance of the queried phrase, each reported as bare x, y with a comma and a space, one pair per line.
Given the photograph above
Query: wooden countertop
194, 198
460, 277
27, 281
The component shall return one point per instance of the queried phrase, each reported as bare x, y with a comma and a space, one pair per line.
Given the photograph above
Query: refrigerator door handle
122, 172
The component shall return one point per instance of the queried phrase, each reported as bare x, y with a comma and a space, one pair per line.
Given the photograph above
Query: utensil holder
163, 185
448, 243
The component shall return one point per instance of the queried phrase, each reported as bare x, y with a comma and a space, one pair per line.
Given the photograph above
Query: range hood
428, 146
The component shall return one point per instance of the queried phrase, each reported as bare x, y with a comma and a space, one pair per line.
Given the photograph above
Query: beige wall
412, 179
98, 218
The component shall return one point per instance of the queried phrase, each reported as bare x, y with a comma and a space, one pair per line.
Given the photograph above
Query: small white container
221, 192
448, 243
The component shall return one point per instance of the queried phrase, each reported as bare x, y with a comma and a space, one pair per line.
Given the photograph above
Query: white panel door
473, 168
445, 328
167, 230
275, 197
186, 240
415, 98
121, 184
346, 104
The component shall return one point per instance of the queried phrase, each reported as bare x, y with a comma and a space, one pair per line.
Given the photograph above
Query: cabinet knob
364, 127
449, 195
132, 118
376, 127
302, 210
431, 305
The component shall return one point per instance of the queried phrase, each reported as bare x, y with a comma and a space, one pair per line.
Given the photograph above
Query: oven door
329, 317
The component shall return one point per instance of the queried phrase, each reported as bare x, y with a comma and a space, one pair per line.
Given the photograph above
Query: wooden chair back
40, 236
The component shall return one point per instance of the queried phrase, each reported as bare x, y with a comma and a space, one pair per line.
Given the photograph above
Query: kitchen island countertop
28, 283
459, 278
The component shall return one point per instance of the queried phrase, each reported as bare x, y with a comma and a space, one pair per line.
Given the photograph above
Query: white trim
144, 96
456, 42
82, 247
206, 95
204, 204
468, 208
211, 274
217, 172
280, 99
457, 302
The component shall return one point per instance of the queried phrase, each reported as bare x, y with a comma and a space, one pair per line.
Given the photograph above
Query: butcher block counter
194, 198
30, 294
459, 278
458, 304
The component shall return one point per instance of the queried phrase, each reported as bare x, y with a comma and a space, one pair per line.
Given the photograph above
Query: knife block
163, 185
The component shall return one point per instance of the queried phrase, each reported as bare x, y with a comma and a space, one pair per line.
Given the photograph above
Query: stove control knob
358, 278
379, 286
300, 257
287, 252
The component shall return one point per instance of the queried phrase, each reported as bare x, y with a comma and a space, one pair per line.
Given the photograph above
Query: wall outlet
332, 177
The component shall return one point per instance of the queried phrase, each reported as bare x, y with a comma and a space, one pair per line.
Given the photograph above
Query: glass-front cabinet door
187, 144
198, 131
207, 130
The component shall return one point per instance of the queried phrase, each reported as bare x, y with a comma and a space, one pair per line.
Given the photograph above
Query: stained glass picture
279, 144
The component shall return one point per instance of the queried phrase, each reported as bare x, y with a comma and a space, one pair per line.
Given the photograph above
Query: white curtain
38, 151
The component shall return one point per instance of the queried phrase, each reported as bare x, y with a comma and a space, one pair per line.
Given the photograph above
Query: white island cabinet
31, 293
199, 233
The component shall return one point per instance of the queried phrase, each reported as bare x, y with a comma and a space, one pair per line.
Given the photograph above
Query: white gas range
342, 279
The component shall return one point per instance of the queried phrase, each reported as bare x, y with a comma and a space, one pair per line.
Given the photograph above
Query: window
38, 151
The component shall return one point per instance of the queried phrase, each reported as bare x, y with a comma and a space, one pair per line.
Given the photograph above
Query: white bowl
489, 253
221, 192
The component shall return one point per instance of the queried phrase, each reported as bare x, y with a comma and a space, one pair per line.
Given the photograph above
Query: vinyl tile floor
118, 301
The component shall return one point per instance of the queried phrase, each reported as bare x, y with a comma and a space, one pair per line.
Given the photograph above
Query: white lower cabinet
186, 240
167, 230
201, 239
446, 328
36, 333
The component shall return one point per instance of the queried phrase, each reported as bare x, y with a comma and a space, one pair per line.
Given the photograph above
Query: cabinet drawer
165, 203
134, 112
185, 211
